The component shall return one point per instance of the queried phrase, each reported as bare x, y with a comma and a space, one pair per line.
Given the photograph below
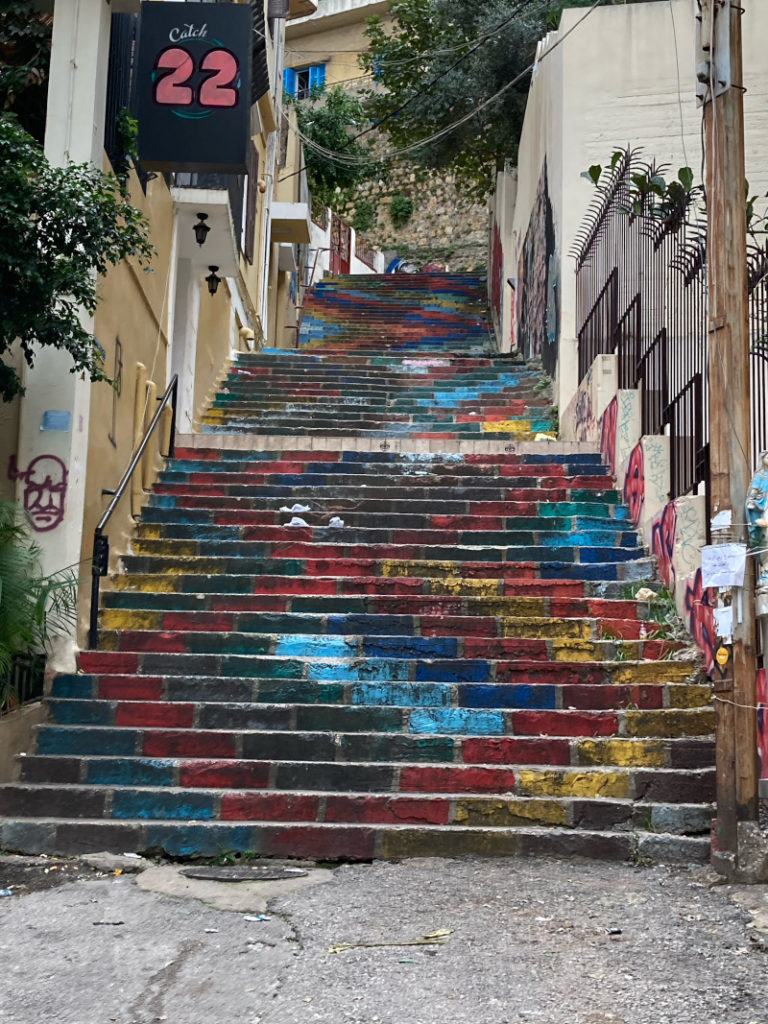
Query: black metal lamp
201, 229
213, 281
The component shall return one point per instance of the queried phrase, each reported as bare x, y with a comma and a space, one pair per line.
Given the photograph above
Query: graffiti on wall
584, 413
608, 433
700, 617
538, 283
497, 274
45, 490
762, 722
663, 537
634, 484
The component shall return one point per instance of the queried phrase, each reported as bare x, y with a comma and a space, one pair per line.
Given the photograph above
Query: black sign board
193, 86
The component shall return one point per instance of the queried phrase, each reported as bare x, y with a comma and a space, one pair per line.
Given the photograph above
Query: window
302, 82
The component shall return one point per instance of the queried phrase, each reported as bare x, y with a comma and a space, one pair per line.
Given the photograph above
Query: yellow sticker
722, 656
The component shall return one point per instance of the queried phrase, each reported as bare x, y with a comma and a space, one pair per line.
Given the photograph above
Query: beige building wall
334, 37
626, 75
133, 311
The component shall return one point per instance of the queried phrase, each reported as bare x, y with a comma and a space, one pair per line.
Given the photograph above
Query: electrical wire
354, 160
427, 88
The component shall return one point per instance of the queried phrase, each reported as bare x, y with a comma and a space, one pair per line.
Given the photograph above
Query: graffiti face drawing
45, 490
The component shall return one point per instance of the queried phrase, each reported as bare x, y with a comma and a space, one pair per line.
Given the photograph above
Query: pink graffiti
634, 484
45, 490
608, 433
762, 722
700, 617
663, 534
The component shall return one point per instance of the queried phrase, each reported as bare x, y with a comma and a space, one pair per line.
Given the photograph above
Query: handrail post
99, 568
174, 400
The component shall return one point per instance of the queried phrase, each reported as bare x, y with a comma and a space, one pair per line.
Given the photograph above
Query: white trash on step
298, 521
296, 508
338, 523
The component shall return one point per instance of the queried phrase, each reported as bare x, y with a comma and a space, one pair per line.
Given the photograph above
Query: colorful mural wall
538, 283
674, 530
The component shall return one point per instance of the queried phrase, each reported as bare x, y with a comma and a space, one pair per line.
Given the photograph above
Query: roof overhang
290, 222
220, 246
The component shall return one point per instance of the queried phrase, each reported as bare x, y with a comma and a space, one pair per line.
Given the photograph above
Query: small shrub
365, 216
400, 210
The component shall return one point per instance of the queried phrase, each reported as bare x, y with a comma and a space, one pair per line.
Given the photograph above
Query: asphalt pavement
471, 941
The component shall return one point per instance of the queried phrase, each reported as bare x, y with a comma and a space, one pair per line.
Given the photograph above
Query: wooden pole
729, 418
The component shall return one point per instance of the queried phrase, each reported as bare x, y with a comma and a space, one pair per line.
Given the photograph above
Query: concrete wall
17, 732
624, 76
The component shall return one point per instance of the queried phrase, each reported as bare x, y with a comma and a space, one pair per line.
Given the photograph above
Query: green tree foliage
331, 119
60, 227
425, 41
25, 52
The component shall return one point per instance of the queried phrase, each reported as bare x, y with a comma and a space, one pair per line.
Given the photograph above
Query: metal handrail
100, 563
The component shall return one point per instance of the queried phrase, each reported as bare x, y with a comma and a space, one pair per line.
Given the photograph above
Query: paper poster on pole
723, 565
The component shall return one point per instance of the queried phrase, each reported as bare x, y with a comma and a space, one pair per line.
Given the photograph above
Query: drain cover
243, 873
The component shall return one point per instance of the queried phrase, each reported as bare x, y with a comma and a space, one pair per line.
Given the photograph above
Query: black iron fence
23, 683
641, 295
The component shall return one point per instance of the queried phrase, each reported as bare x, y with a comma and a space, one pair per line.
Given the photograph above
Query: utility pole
720, 73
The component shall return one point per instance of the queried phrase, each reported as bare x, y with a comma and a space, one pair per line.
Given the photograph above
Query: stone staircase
462, 667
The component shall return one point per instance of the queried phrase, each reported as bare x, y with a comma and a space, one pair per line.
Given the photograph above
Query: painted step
657, 785
382, 718
529, 696
439, 642
366, 626
632, 613
449, 584
266, 745
169, 803
629, 569
342, 842
338, 669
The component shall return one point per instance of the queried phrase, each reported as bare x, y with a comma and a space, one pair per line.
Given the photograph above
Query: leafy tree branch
61, 227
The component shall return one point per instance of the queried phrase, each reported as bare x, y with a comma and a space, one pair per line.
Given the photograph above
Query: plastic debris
296, 508
545, 437
6, 892
257, 917
211, 931
436, 938
613, 931
337, 523
297, 521
133, 856
645, 594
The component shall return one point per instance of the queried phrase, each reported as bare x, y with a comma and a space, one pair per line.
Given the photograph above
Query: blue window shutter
316, 77
289, 81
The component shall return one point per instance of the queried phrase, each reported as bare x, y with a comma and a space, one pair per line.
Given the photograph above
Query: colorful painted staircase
461, 667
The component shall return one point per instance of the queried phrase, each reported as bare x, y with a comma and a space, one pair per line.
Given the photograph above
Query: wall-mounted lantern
213, 281
201, 229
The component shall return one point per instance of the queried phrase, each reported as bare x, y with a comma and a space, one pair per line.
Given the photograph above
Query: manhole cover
243, 873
